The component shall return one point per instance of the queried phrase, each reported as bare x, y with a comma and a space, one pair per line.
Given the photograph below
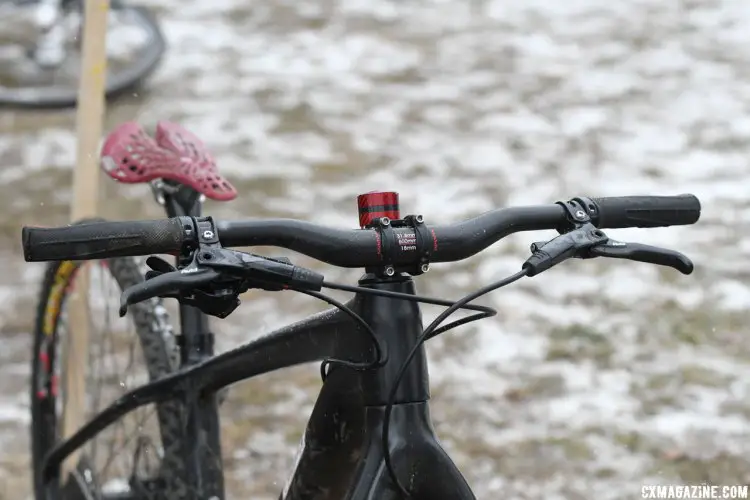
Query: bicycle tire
130, 78
159, 356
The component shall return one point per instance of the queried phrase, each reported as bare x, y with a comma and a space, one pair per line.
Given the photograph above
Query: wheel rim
135, 46
129, 447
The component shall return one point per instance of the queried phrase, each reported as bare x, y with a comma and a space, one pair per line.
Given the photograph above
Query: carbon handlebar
349, 247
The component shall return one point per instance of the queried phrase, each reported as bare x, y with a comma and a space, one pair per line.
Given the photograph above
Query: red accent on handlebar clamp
129, 155
374, 205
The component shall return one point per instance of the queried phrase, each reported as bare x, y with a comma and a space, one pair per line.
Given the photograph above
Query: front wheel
135, 47
123, 354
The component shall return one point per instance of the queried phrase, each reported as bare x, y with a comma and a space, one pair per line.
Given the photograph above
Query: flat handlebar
349, 247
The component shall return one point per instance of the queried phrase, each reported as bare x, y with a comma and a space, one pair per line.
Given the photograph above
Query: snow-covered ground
596, 377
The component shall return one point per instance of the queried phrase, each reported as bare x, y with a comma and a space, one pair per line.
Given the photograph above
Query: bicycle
39, 51
369, 435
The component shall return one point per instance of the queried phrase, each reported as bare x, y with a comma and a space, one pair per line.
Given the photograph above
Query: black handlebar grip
646, 211
101, 240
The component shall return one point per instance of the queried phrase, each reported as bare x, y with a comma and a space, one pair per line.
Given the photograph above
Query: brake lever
272, 274
643, 253
216, 276
575, 243
586, 242
218, 299
166, 284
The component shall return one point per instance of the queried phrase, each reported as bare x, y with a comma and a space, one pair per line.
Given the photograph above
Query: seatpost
196, 341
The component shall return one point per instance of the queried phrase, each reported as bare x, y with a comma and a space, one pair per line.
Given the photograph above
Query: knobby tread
159, 353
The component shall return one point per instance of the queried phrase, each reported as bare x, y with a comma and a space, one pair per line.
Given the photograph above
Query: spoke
116, 361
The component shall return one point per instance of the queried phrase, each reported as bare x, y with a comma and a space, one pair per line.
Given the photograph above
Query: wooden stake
89, 124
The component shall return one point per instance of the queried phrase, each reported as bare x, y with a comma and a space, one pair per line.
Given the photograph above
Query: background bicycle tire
127, 79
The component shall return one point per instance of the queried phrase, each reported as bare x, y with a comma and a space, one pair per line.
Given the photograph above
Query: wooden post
89, 124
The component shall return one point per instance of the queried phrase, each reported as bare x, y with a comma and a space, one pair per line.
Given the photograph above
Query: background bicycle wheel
614, 373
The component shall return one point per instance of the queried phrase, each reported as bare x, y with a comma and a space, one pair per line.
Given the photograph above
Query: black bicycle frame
342, 456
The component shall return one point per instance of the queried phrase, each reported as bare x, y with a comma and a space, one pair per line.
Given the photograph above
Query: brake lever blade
165, 284
644, 253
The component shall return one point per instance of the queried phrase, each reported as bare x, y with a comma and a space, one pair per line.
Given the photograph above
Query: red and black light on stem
375, 205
